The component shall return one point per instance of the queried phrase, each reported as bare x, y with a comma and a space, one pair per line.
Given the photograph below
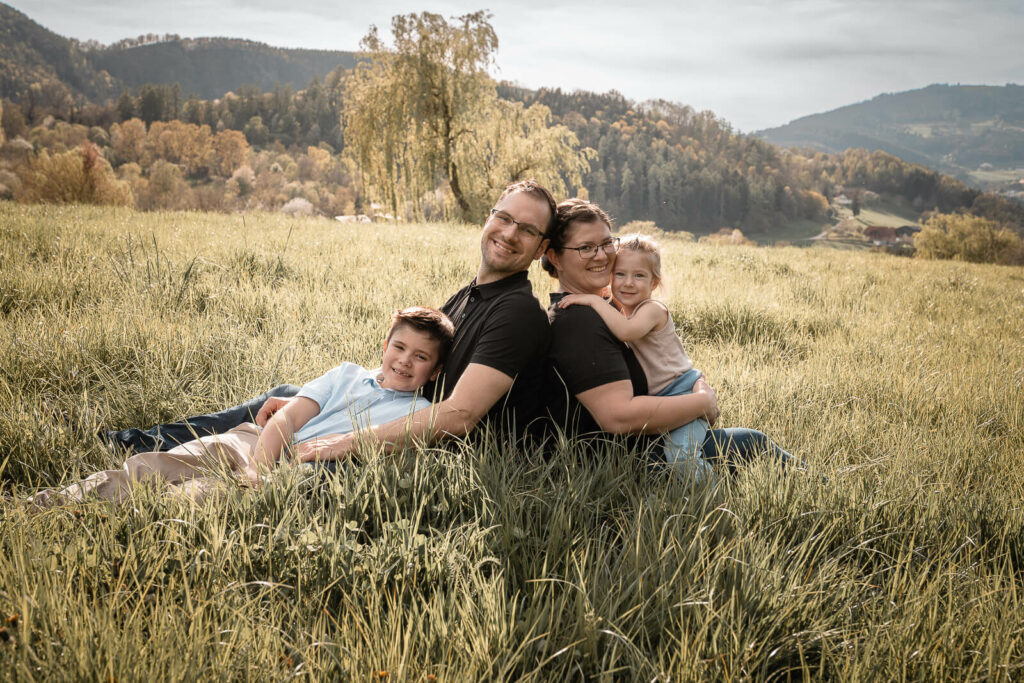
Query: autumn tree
414, 111
80, 176
963, 237
230, 150
128, 140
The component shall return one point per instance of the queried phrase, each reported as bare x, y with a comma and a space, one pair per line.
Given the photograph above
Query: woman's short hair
571, 210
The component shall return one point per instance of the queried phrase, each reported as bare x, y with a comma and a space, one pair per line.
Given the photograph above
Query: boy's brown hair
431, 322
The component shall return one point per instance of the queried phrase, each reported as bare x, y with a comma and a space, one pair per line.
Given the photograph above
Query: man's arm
476, 392
616, 410
280, 429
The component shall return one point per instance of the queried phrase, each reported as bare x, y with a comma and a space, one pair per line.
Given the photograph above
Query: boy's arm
280, 428
476, 392
625, 329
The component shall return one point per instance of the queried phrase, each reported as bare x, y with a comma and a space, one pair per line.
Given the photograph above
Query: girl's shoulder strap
650, 301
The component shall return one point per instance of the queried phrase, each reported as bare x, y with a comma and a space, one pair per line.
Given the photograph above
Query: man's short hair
567, 212
431, 322
534, 189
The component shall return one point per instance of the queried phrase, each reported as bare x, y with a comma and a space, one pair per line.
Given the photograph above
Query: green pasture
898, 553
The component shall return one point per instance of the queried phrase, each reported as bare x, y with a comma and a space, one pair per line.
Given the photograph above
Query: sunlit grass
901, 381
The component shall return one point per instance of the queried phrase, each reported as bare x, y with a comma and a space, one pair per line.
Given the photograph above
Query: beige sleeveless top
660, 352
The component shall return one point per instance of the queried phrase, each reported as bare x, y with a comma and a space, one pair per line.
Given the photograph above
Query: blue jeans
738, 446
684, 445
167, 436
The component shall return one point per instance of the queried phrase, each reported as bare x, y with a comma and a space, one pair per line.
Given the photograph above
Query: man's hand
271, 406
702, 387
330, 447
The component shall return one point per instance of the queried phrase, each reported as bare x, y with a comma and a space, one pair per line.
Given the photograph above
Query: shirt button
471, 299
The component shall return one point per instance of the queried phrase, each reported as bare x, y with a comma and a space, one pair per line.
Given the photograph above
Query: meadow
898, 553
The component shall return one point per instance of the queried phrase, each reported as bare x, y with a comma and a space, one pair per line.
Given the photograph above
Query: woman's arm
618, 411
625, 329
280, 428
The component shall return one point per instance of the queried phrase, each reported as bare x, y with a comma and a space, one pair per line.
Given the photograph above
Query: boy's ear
437, 371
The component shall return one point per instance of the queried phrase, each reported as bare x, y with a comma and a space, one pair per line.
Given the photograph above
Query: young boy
346, 399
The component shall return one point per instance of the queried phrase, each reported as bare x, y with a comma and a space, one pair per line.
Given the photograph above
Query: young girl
646, 326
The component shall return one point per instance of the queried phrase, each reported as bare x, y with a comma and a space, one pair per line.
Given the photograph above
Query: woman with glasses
605, 389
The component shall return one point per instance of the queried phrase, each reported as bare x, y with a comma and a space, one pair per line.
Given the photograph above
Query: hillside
210, 67
952, 128
31, 54
658, 161
206, 67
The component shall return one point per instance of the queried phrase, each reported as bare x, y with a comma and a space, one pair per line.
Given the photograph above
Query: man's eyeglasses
524, 229
589, 251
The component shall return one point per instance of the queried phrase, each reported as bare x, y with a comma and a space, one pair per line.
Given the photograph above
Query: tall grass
900, 381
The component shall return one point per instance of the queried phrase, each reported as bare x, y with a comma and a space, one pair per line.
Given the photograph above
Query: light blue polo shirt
350, 398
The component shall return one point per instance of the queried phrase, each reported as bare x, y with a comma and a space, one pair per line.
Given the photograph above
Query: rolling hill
956, 129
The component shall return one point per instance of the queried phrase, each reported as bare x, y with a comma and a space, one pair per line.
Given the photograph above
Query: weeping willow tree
423, 113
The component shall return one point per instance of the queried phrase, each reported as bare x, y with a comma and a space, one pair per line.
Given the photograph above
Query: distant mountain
951, 128
31, 54
207, 67
210, 67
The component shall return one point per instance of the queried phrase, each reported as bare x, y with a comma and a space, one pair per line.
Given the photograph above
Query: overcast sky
755, 63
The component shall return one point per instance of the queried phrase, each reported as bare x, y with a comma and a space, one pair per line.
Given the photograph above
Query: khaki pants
189, 469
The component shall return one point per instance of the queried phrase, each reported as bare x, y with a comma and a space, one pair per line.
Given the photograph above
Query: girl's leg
738, 446
683, 451
683, 445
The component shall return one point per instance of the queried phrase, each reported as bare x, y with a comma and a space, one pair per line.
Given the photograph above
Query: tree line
418, 128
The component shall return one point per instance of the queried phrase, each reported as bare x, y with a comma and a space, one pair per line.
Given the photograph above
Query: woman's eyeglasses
589, 251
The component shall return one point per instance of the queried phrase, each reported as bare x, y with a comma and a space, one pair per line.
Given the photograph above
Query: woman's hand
712, 414
330, 447
269, 407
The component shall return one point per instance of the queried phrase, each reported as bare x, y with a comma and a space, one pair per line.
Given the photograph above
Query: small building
881, 236
905, 233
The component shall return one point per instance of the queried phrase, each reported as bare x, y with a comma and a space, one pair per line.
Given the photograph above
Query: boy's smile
410, 359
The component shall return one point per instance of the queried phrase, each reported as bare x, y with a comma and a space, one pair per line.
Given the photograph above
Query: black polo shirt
584, 355
503, 326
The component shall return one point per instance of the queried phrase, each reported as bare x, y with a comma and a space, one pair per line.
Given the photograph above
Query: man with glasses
494, 372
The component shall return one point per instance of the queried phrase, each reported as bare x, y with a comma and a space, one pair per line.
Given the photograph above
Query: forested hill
952, 128
656, 161
206, 67
31, 54
210, 67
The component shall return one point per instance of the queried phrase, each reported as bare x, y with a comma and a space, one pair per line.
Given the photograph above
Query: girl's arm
625, 329
280, 429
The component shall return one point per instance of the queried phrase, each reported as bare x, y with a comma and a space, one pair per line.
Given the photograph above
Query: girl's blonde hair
642, 244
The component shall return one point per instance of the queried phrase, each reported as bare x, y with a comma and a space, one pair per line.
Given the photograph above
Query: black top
584, 355
503, 326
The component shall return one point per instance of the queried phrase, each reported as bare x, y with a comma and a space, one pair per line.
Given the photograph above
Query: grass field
898, 555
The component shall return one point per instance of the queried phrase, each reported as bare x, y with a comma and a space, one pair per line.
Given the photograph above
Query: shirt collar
505, 284
372, 380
